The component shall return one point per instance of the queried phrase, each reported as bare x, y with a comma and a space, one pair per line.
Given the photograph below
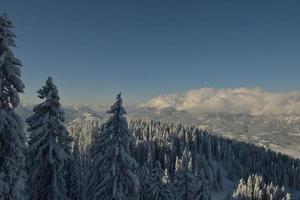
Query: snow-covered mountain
253, 115
233, 101
270, 119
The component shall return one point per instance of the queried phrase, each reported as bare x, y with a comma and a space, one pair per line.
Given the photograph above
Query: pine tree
185, 182
218, 180
157, 186
241, 190
113, 172
166, 177
77, 182
256, 189
48, 150
144, 178
202, 190
12, 137
209, 152
177, 165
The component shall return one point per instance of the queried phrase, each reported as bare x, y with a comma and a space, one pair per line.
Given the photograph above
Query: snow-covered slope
278, 132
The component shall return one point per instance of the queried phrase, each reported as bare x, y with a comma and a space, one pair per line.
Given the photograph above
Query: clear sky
144, 48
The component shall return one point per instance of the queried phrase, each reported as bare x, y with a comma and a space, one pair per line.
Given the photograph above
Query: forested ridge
208, 156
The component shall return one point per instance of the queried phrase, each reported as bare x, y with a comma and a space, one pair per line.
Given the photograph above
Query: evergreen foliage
48, 153
12, 137
113, 174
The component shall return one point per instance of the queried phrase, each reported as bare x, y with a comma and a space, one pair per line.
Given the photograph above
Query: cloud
232, 100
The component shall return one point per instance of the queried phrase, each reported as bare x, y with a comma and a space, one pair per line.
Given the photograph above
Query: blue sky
145, 48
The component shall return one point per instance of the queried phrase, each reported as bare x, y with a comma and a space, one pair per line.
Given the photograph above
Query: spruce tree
113, 172
12, 137
48, 147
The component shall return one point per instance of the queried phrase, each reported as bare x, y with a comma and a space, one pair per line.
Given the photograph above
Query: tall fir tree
12, 137
48, 153
113, 172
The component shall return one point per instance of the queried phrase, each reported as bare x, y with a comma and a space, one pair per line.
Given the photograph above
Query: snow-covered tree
143, 177
113, 171
209, 152
166, 177
48, 147
185, 182
177, 165
202, 191
217, 180
256, 189
12, 137
77, 181
157, 185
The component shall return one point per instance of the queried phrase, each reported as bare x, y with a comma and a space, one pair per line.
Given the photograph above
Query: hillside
166, 142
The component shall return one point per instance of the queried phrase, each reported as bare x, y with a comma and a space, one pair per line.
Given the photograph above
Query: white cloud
233, 100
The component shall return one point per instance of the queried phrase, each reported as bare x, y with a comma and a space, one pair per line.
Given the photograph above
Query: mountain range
279, 132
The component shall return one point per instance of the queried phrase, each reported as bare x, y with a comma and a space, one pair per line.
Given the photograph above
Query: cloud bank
233, 100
